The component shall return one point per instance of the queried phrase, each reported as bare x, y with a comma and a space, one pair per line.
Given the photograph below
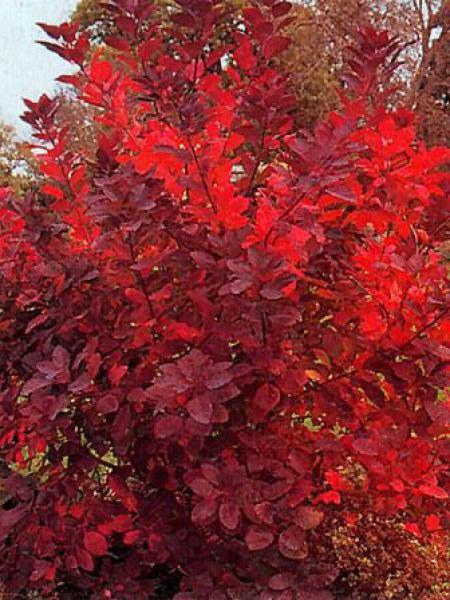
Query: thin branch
285, 214
141, 280
201, 174
258, 158
425, 328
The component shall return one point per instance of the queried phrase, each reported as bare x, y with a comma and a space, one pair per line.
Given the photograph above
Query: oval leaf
229, 515
258, 539
95, 543
292, 543
200, 409
167, 426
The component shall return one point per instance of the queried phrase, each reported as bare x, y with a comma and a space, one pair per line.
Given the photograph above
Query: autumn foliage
223, 340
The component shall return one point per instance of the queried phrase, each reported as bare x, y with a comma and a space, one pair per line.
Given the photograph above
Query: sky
27, 69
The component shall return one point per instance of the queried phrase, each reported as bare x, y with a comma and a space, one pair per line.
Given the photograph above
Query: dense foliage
224, 339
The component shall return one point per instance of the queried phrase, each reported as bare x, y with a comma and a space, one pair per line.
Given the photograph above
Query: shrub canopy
223, 339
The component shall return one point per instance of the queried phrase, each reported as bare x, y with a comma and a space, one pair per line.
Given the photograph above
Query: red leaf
218, 377
204, 511
52, 31
414, 529
439, 412
200, 409
336, 481
107, 404
168, 426
433, 490
35, 384
373, 324
231, 209
52, 190
95, 543
433, 523
398, 485
201, 486
125, 24
70, 79
258, 539
81, 383
182, 331
117, 373
254, 15
121, 523
117, 43
244, 56
101, 71
39, 320
229, 515
308, 518
184, 19
147, 48
121, 424
365, 446
292, 543
275, 45
9, 518
84, 560
279, 9
281, 581
131, 537
71, 562
120, 489
331, 497
266, 399
143, 162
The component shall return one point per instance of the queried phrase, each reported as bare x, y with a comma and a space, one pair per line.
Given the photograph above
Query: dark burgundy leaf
200, 409
35, 384
204, 511
202, 487
9, 518
266, 399
258, 539
83, 382
308, 517
107, 404
365, 446
229, 515
281, 581
292, 543
168, 426
219, 376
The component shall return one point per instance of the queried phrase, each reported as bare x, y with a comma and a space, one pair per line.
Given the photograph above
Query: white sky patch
26, 68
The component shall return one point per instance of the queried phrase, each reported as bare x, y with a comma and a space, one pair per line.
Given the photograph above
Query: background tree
16, 161
79, 119
94, 18
431, 87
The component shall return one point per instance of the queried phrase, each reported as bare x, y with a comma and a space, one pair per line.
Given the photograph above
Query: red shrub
223, 334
